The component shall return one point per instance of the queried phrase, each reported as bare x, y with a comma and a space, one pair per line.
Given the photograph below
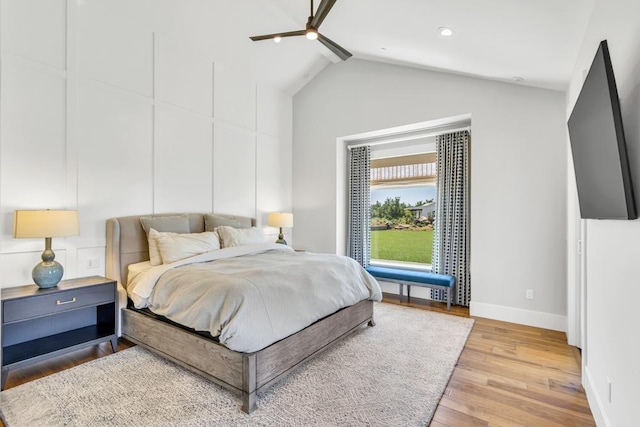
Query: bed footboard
246, 373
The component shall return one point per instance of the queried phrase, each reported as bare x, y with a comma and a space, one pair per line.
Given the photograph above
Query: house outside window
402, 210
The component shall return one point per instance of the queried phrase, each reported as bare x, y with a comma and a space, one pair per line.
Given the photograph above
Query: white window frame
398, 150
380, 137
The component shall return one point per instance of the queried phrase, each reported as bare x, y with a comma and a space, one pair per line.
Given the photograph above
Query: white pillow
174, 247
231, 237
154, 252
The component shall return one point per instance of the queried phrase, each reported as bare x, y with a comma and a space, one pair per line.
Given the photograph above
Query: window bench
415, 278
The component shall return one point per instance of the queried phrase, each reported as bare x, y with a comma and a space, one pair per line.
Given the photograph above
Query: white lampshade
280, 219
45, 223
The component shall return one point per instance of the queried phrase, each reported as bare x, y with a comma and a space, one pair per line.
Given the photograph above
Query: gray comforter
257, 295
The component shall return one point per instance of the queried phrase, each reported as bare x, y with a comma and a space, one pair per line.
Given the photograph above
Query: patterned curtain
451, 246
359, 244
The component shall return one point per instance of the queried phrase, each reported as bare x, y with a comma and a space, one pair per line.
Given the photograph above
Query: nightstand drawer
42, 305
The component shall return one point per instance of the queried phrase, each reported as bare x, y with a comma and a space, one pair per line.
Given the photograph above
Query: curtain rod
406, 137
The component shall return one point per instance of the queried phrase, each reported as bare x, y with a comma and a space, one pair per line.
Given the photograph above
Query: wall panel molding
234, 165
32, 64
35, 29
134, 122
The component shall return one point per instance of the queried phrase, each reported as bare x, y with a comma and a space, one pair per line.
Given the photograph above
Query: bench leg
449, 299
408, 293
400, 291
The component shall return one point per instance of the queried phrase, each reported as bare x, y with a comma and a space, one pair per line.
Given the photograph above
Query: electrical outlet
93, 263
529, 294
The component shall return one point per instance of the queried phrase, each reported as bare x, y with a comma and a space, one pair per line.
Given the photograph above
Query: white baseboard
595, 403
555, 322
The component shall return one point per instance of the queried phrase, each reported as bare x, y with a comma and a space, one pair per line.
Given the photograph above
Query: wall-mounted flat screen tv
598, 146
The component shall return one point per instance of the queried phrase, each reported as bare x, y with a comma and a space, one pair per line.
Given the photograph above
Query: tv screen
598, 147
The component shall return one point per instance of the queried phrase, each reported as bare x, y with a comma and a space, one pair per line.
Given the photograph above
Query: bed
246, 372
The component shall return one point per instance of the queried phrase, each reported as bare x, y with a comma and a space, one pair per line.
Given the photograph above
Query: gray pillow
172, 223
212, 221
168, 223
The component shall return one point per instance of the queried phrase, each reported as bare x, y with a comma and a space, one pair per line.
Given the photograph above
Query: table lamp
280, 219
47, 224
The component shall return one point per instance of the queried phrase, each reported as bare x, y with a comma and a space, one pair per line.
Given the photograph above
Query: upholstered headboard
127, 241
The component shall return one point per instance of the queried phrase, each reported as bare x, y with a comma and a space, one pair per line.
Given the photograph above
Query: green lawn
402, 245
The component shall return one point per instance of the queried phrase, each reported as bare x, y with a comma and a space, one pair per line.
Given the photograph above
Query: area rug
391, 374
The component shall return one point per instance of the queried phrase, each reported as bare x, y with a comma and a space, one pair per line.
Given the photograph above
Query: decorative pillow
170, 223
155, 258
212, 221
230, 236
174, 247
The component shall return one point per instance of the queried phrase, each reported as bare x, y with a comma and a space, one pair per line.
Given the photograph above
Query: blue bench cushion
412, 276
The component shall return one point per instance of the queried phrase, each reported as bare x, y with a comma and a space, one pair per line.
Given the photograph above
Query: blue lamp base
281, 238
48, 273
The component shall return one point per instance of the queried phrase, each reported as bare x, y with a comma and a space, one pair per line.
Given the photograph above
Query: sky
409, 195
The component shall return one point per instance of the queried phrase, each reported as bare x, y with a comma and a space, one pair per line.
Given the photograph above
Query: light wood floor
510, 375
507, 375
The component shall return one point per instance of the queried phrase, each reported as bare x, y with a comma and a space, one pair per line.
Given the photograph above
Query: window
403, 197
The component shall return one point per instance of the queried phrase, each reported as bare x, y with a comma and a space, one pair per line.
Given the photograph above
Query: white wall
612, 247
518, 173
102, 113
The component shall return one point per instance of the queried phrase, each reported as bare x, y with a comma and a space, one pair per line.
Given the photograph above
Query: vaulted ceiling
506, 40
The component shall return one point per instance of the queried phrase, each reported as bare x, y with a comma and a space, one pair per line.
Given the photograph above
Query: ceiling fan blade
334, 47
322, 12
274, 35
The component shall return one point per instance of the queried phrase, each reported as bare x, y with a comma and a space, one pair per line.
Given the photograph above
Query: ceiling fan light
445, 31
310, 31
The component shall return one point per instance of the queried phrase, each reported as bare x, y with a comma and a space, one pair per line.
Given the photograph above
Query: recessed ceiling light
277, 39
445, 31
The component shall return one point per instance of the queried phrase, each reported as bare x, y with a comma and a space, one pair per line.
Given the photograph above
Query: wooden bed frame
246, 373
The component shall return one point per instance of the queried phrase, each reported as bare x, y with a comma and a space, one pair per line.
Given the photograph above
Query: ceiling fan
311, 31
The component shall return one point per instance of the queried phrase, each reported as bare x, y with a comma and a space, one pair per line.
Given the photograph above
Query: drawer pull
66, 302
